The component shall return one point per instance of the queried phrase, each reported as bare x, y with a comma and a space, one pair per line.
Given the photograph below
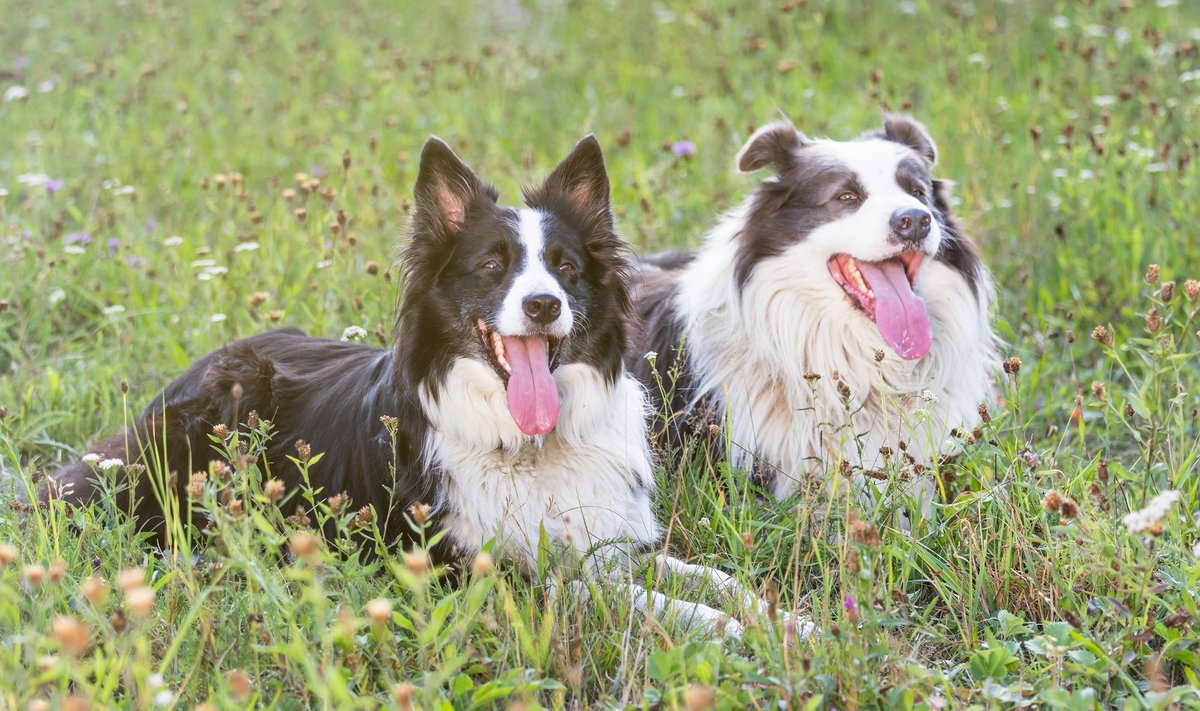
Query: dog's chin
884, 292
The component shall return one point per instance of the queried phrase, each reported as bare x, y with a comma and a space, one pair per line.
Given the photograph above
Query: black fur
332, 394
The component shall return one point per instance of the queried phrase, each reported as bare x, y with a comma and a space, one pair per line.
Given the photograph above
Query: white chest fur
752, 348
587, 482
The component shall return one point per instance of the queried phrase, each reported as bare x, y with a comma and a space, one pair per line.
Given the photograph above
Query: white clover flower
173, 241
246, 247
108, 465
354, 334
91, 458
1148, 517
33, 180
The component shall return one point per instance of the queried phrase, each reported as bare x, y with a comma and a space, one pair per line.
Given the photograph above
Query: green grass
1069, 127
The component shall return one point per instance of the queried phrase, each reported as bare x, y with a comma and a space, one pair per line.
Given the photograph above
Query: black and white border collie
517, 418
840, 312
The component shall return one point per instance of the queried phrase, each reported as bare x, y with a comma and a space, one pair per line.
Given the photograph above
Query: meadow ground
152, 209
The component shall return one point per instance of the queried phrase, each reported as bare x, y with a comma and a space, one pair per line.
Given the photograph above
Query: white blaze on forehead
866, 233
532, 278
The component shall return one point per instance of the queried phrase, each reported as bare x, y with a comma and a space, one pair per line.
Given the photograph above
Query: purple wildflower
683, 149
113, 244
78, 238
851, 609
53, 186
151, 225
316, 171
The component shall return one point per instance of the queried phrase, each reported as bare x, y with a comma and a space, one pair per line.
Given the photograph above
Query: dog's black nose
542, 308
911, 224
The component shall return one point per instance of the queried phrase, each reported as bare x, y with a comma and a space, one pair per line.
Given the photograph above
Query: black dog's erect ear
773, 145
446, 189
580, 183
911, 133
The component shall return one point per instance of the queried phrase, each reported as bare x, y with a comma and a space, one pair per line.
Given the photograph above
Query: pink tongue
532, 394
900, 314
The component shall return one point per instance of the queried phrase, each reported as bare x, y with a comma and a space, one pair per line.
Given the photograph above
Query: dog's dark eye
490, 265
848, 196
918, 193
566, 267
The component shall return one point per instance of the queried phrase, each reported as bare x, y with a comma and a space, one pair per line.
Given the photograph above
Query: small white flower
173, 241
91, 458
73, 249
217, 271
164, 698
45, 87
156, 681
110, 183
204, 276
354, 334
650, 355
113, 310
217, 318
124, 190
108, 465
202, 263
323, 263
920, 415
1104, 100
16, 92
246, 247
929, 397
33, 180
1154, 511
1196, 549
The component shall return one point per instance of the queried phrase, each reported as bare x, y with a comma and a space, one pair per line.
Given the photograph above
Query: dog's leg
694, 616
730, 586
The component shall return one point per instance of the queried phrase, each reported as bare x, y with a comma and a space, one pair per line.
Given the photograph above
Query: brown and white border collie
838, 314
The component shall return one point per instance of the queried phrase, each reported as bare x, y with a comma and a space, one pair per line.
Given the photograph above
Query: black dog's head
522, 289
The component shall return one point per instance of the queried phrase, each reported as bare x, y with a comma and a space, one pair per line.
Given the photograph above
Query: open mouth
524, 365
884, 292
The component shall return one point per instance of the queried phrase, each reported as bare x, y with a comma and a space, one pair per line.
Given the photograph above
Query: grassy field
177, 175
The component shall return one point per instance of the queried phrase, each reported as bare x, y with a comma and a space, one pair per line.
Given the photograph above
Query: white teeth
498, 351
857, 277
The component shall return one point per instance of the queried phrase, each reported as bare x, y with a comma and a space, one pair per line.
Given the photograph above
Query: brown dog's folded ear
579, 183
911, 133
773, 145
445, 189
